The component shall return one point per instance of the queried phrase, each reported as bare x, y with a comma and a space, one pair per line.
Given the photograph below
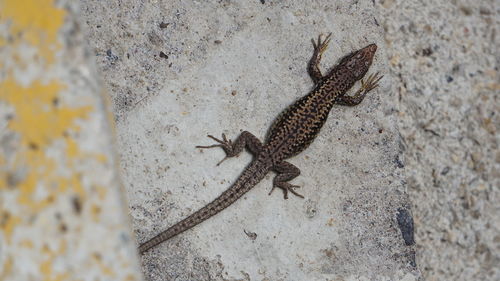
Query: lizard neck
336, 84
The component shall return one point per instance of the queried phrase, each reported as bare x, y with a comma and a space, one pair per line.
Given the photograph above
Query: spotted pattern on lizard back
296, 128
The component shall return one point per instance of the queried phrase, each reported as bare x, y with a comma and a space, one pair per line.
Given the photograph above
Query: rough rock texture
445, 58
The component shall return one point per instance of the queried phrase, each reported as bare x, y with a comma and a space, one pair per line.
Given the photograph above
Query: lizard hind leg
232, 149
286, 172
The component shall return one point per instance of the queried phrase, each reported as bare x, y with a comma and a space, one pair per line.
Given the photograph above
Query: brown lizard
292, 132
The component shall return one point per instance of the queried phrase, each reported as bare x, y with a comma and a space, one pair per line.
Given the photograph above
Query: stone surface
234, 65
444, 57
178, 70
62, 211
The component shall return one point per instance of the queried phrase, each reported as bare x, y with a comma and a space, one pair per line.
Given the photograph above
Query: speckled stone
444, 57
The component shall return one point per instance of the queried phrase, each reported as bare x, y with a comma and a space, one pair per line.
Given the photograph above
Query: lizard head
358, 62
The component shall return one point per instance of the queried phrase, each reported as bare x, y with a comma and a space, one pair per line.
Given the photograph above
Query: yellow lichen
36, 22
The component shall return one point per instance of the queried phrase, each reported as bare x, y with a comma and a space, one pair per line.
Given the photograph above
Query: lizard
291, 133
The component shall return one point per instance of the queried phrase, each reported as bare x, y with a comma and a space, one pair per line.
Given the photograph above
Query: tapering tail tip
144, 247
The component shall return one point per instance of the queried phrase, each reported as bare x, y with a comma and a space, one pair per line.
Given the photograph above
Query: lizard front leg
370, 84
245, 139
286, 172
313, 66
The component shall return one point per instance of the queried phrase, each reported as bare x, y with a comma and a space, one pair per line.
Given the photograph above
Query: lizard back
298, 125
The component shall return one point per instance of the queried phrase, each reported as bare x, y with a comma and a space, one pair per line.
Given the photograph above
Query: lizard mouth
369, 51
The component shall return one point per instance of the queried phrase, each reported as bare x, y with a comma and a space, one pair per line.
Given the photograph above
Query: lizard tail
252, 175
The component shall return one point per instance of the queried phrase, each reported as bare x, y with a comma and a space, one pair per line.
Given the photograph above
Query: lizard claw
321, 45
371, 82
224, 140
225, 144
286, 187
223, 159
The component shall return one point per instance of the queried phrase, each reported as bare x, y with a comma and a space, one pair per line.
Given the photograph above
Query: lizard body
292, 132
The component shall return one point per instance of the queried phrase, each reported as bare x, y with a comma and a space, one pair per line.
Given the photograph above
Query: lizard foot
225, 144
286, 187
321, 45
371, 82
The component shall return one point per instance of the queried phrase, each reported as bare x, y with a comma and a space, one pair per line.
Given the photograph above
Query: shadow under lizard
291, 133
